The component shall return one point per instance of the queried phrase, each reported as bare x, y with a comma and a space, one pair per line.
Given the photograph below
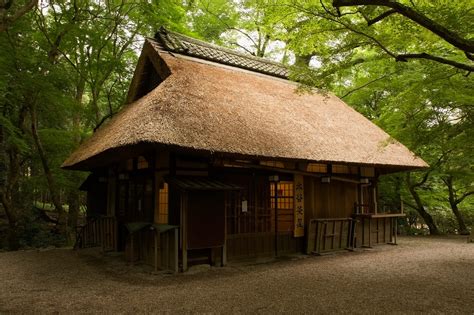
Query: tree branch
462, 66
8, 21
380, 17
368, 83
466, 45
461, 199
243, 47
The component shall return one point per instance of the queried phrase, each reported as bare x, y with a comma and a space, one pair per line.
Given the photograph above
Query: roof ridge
179, 43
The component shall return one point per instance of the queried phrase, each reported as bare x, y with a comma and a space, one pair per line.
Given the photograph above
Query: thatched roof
222, 108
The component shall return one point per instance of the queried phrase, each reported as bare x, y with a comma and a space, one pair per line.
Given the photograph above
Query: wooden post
276, 218
156, 249
224, 248
363, 232
353, 233
340, 233
184, 244
370, 232
377, 230
185, 259
166, 250
176, 253
224, 255
131, 249
391, 231
375, 196
324, 234
396, 227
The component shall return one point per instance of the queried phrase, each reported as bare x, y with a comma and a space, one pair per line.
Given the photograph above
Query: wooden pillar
165, 251
156, 249
363, 232
176, 251
395, 230
375, 197
132, 254
276, 218
370, 232
224, 247
224, 255
184, 249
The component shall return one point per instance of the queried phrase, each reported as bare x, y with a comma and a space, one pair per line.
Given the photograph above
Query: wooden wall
328, 200
144, 249
253, 245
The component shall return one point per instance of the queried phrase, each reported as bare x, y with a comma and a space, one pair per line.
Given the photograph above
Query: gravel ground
420, 275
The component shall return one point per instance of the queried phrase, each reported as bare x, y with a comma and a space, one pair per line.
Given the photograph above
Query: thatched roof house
187, 94
217, 154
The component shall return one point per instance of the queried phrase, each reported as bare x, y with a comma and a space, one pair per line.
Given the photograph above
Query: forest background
65, 67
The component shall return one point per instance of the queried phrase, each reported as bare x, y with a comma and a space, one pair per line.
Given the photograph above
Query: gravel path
420, 275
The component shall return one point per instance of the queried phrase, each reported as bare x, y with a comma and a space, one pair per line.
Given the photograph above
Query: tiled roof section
181, 44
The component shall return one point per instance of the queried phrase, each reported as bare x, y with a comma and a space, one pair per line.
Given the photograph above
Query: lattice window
163, 204
257, 218
286, 203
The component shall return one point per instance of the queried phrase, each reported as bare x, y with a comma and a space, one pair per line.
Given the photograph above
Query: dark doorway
206, 219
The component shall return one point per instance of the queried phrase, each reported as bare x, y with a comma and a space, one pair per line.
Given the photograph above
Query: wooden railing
98, 232
362, 208
325, 235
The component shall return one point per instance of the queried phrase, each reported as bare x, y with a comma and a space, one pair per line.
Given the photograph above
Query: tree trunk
73, 202
95, 106
12, 238
54, 191
73, 196
420, 208
8, 179
453, 202
462, 225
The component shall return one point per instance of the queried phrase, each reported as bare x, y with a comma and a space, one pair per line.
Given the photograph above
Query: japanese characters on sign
299, 207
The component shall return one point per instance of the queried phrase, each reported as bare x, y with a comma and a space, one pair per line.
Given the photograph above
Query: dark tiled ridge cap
185, 45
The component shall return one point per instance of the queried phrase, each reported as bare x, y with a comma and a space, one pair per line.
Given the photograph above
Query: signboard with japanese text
299, 207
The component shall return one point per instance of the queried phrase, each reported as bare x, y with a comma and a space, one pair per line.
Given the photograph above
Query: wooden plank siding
254, 245
144, 249
328, 200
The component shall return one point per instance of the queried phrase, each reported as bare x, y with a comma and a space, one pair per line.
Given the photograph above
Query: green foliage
427, 105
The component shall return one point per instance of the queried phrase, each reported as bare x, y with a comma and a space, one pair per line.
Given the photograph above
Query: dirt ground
420, 275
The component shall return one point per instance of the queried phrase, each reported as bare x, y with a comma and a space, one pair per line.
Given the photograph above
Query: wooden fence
98, 232
325, 235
